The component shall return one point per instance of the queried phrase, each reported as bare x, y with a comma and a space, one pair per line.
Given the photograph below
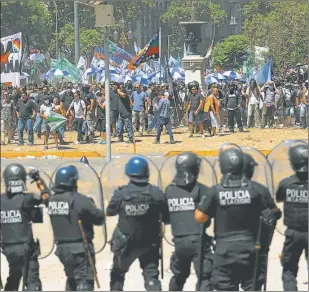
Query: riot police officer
271, 214
293, 192
182, 196
17, 212
66, 207
236, 207
137, 235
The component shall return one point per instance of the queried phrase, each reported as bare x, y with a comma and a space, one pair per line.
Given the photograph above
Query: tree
181, 11
280, 25
230, 53
32, 18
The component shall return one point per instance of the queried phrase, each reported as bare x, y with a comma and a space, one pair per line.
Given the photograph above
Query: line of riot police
187, 195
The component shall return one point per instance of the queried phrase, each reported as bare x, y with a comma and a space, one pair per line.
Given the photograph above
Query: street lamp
56, 7
168, 45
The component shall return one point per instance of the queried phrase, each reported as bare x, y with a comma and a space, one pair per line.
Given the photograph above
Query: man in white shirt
45, 110
80, 110
253, 99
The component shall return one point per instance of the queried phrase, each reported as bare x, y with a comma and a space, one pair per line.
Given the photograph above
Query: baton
161, 248
257, 254
94, 271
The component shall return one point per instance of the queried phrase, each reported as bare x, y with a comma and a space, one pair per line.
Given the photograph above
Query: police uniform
293, 192
66, 207
182, 196
273, 214
17, 213
236, 207
137, 235
187, 237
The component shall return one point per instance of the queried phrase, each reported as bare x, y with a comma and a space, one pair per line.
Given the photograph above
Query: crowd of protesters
139, 109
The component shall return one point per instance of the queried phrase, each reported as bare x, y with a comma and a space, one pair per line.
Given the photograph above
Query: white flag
136, 48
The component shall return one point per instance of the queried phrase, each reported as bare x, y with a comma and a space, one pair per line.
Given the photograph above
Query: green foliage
230, 53
32, 18
280, 25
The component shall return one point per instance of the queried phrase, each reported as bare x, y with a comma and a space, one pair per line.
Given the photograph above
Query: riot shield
89, 185
113, 176
41, 231
168, 171
281, 169
262, 171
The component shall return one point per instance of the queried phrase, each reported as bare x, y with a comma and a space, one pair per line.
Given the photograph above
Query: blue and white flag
263, 75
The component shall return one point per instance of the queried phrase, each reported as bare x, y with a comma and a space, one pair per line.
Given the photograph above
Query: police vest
296, 206
14, 220
181, 206
139, 215
64, 218
237, 211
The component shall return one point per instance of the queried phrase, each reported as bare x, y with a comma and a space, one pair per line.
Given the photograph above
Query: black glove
34, 174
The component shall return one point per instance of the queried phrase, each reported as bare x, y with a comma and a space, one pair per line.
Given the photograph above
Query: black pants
233, 265
295, 243
76, 266
149, 263
231, 115
187, 251
78, 126
15, 254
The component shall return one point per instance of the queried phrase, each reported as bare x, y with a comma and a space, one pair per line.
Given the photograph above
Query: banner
11, 55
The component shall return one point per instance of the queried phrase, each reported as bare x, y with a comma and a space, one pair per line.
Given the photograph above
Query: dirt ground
262, 139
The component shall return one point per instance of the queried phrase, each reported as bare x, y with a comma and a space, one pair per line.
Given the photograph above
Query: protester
140, 107
79, 114
25, 111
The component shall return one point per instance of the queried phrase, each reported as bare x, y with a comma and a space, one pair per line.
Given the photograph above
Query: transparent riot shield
281, 169
262, 171
113, 176
206, 176
41, 231
89, 185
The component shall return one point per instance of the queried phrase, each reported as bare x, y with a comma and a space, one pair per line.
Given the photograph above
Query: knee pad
84, 286
153, 285
34, 287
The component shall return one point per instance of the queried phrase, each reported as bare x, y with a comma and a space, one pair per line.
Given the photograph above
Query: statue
192, 43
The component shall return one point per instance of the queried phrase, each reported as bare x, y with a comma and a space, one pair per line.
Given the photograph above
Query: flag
209, 50
150, 51
136, 48
263, 75
16, 45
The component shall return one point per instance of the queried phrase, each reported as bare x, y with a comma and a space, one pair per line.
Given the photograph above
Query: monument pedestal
194, 66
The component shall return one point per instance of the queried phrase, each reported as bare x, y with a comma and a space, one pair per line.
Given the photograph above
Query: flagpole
107, 95
160, 52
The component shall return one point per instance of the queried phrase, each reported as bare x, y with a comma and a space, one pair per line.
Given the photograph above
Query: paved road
53, 277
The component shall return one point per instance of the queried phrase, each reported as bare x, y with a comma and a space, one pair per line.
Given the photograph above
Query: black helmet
15, 177
137, 169
84, 160
187, 167
249, 165
196, 84
298, 155
66, 178
231, 161
190, 85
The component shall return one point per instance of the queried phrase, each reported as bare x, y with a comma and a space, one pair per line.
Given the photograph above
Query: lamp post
168, 45
56, 7
76, 32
